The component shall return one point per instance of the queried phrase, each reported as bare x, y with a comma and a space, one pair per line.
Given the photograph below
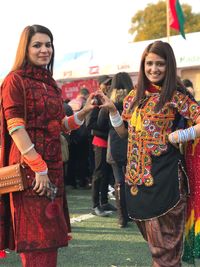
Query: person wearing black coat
121, 85
102, 170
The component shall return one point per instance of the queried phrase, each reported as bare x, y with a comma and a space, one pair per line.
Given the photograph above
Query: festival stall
80, 69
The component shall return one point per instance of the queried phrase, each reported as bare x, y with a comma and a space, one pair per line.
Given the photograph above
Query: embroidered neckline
38, 73
153, 88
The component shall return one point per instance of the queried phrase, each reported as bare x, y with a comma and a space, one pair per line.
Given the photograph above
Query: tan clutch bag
12, 179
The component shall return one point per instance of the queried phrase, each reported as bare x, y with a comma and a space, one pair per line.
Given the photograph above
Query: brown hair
121, 85
21, 55
170, 82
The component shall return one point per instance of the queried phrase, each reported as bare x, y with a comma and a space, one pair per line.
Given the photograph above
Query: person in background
192, 230
156, 184
189, 85
79, 101
78, 165
34, 222
121, 85
102, 170
65, 142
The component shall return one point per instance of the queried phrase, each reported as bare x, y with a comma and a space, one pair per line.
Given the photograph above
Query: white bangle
66, 123
45, 172
76, 119
116, 120
186, 134
27, 150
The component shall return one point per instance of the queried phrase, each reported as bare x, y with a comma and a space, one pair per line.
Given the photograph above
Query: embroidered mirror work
148, 133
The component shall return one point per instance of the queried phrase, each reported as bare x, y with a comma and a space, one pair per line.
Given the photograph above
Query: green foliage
151, 23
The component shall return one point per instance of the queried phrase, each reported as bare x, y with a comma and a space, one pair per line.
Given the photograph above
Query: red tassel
2, 254
69, 236
52, 210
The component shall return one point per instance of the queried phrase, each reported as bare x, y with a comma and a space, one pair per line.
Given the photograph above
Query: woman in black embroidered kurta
155, 176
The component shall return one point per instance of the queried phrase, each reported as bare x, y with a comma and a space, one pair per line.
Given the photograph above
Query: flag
177, 19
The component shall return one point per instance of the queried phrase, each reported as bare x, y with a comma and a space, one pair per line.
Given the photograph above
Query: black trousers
101, 177
78, 164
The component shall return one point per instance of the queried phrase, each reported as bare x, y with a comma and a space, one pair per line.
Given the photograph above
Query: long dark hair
122, 80
171, 80
21, 55
121, 85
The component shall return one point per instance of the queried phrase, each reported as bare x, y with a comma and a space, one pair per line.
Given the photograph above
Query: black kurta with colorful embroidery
154, 165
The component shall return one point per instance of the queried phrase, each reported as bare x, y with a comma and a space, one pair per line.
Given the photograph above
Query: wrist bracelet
72, 122
76, 119
28, 149
186, 135
11, 131
37, 164
116, 120
45, 172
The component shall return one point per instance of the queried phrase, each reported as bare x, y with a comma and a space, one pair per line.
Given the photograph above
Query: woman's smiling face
154, 68
40, 49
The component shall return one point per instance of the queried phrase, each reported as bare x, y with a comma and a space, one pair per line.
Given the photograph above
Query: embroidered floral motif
151, 138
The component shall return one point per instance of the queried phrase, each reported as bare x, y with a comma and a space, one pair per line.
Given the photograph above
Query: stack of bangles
116, 119
38, 165
184, 135
72, 122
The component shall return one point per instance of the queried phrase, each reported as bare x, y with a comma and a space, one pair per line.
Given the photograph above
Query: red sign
94, 70
71, 89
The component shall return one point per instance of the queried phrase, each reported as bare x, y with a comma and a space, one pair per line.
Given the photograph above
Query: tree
151, 22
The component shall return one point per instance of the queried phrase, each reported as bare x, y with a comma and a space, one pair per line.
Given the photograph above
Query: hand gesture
105, 102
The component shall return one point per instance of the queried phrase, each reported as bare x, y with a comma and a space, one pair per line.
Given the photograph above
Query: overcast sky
75, 24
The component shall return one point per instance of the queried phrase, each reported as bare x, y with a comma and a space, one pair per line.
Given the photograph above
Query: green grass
97, 241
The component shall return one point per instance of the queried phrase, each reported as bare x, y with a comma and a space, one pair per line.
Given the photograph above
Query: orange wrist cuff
37, 164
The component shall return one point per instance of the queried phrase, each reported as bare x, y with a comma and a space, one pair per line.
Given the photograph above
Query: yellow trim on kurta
197, 227
136, 120
190, 223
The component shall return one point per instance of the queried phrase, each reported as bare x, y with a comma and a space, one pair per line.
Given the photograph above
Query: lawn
97, 241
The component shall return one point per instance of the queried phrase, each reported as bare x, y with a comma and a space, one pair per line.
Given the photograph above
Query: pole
167, 16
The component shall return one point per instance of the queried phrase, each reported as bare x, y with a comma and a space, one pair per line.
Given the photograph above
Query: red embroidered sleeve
12, 95
188, 108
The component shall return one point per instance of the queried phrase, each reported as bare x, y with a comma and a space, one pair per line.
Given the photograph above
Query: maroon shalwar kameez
37, 224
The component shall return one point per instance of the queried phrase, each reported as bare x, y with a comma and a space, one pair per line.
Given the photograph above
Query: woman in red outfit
35, 222
192, 226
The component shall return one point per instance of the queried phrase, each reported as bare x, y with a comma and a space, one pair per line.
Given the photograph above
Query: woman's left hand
41, 184
106, 102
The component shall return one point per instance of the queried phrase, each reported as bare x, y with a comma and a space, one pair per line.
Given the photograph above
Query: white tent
114, 58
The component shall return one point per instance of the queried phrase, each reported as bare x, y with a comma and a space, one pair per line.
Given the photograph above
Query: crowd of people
141, 139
